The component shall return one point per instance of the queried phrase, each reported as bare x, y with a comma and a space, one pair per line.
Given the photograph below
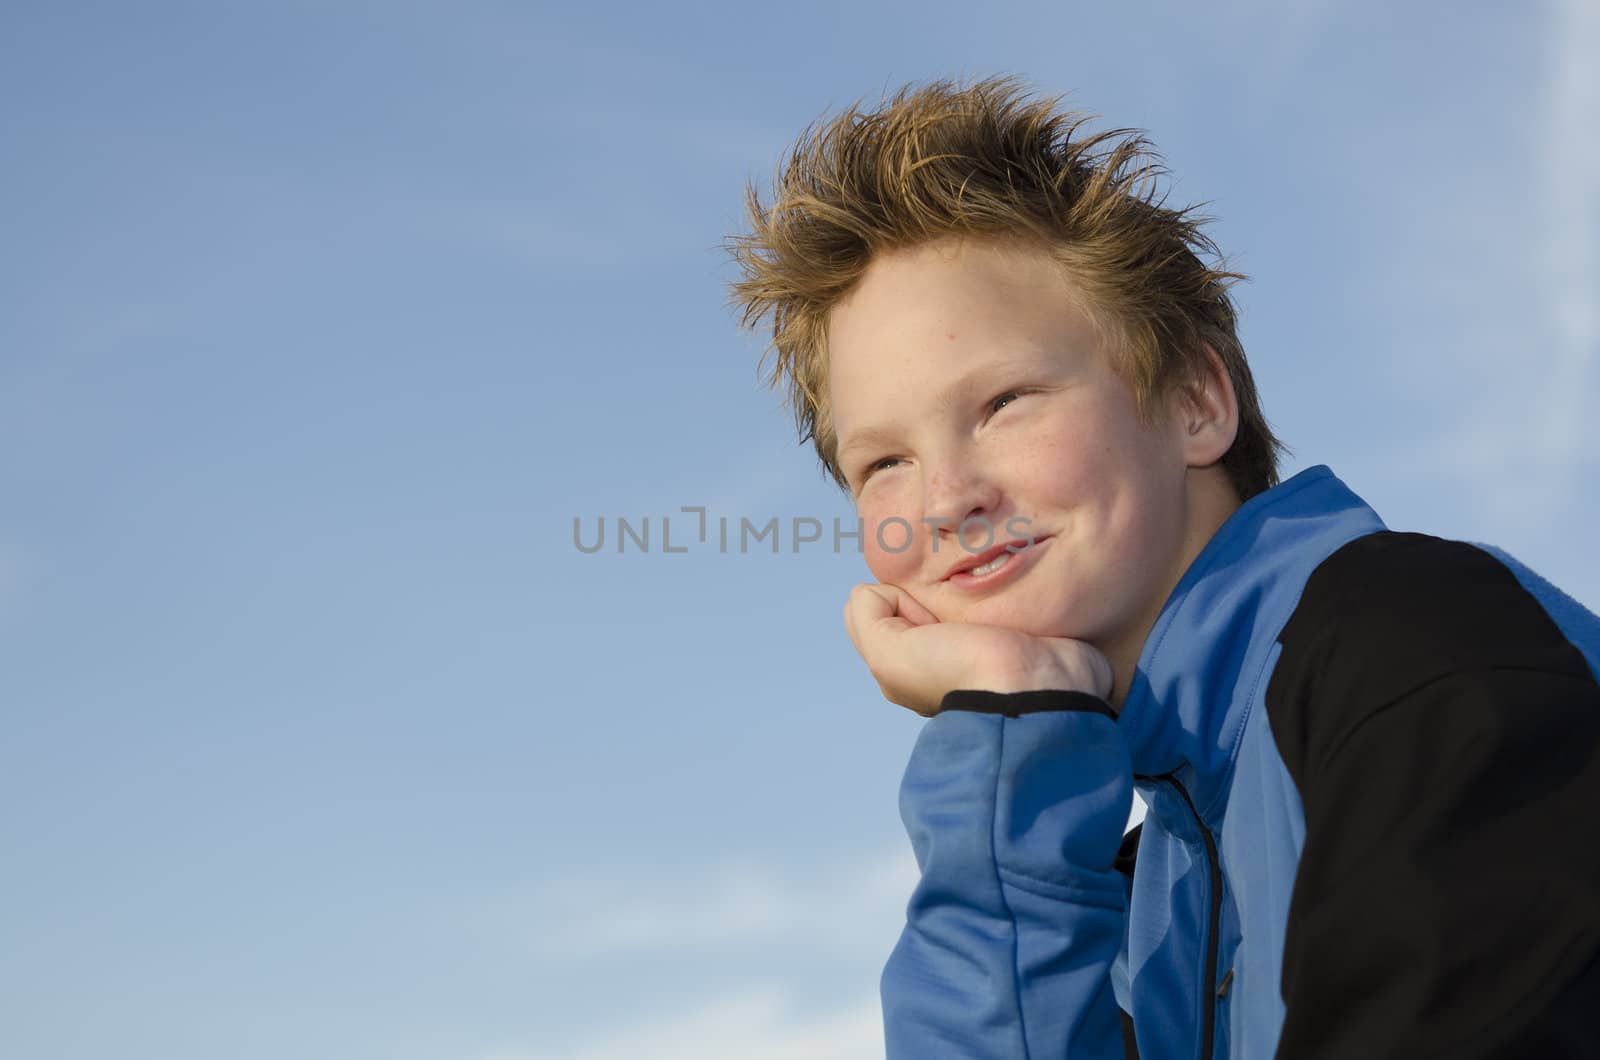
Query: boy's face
1037, 425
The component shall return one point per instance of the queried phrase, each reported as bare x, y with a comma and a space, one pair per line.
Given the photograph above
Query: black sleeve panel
1445, 739
1127, 859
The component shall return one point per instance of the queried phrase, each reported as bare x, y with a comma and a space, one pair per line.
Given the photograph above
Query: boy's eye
879, 465
874, 466
1003, 400
999, 402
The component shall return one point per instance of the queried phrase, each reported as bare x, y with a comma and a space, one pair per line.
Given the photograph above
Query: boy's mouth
979, 565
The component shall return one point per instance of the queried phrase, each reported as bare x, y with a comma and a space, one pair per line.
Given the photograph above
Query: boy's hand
916, 659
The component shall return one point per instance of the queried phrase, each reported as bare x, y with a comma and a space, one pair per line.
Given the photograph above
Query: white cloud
857, 910
1572, 230
761, 1023
1518, 382
854, 911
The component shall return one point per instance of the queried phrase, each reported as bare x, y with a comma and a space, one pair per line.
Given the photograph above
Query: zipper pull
1222, 987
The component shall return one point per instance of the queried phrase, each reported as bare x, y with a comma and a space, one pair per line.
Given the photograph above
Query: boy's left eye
1002, 400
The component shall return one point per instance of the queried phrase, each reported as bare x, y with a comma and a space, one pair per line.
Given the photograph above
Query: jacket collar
1198, 672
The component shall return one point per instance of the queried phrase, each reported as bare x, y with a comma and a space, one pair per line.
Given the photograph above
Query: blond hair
986, 162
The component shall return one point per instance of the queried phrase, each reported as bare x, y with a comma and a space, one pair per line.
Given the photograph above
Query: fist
916, 659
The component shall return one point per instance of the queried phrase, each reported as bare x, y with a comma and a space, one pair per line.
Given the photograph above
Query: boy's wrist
1052, 675
1033, 701
1042, 681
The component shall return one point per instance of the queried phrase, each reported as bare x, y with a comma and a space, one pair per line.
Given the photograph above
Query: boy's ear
1208, 412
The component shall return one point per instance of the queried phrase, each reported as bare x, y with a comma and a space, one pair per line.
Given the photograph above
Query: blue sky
320, 323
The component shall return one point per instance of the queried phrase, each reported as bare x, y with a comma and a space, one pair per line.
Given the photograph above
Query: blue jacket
1371, 763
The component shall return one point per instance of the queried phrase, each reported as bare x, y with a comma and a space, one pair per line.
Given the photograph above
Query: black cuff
1016, 704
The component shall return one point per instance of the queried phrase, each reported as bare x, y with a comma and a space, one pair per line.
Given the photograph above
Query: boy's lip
978, 559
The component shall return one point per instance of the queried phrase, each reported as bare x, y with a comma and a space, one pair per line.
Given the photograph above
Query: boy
1369, 758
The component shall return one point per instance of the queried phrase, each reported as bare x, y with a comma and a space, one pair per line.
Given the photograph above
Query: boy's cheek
893, 547
888, 566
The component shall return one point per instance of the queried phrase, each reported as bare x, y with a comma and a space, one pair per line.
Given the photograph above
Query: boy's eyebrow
874, 436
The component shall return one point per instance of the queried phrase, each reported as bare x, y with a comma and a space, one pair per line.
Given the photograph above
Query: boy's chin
1019, 625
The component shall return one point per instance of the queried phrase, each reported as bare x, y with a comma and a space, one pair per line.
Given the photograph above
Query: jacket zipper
1208, 997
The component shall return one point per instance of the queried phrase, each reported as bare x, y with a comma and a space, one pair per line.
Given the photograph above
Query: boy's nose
965, 495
